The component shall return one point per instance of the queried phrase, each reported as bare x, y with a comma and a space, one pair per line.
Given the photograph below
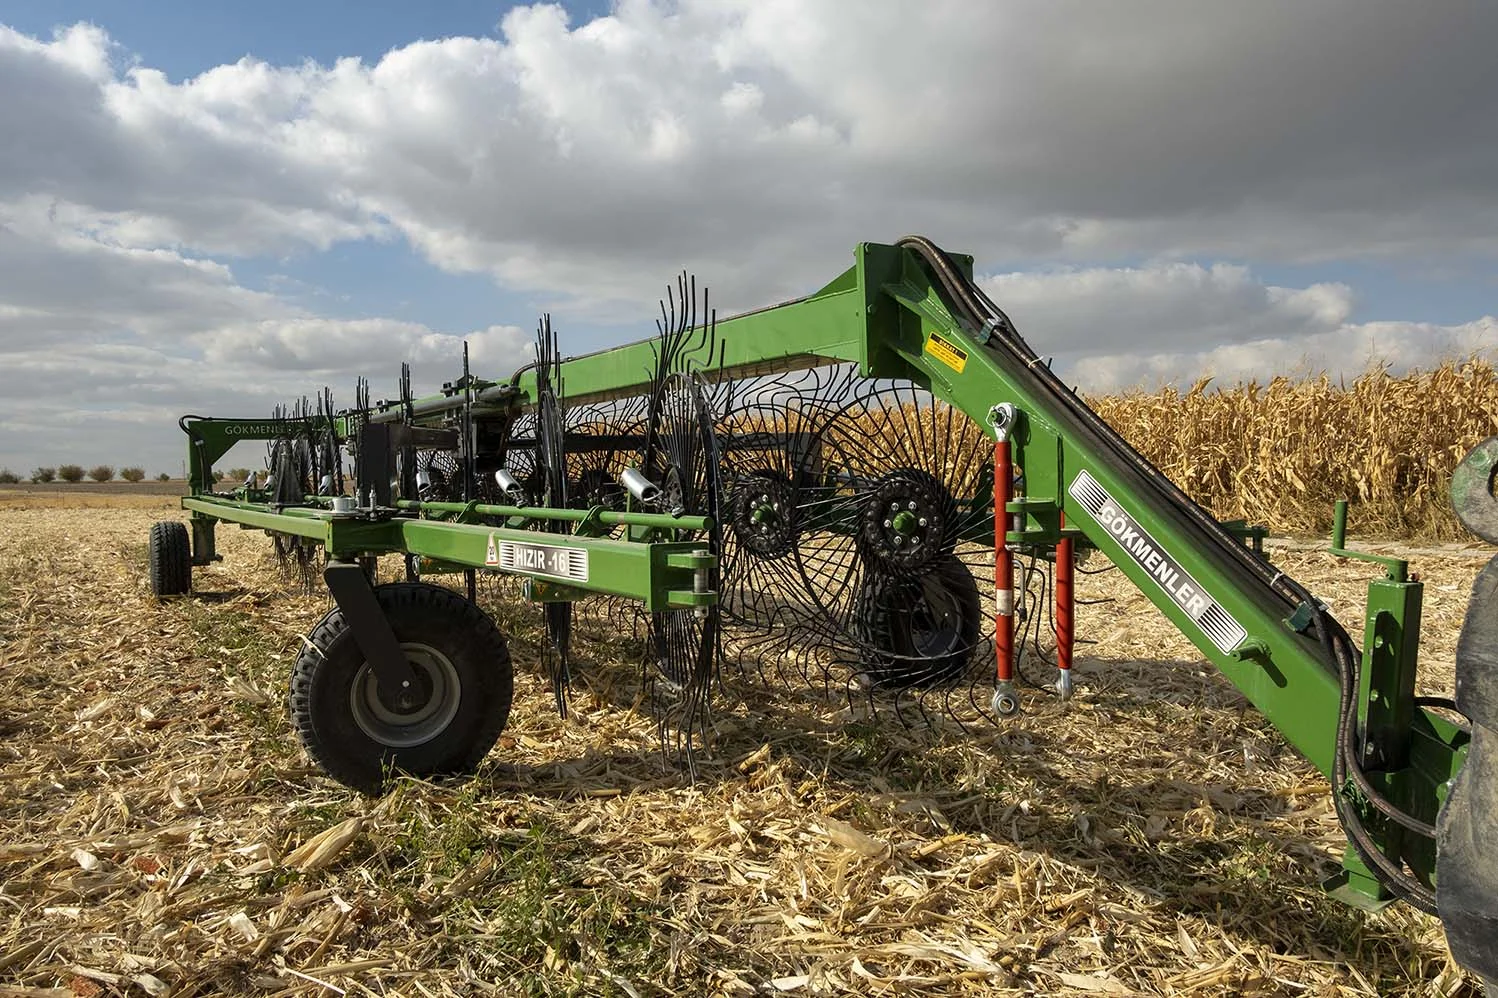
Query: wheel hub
761, 515
410, 699
594, 487
907, 522
412, 715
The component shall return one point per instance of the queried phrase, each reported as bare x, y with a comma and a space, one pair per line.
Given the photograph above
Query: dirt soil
162, 833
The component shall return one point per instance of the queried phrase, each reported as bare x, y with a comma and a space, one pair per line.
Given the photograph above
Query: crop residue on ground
160, 832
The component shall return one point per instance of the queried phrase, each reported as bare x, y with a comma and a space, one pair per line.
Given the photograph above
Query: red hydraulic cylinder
1003, 562
1065, 611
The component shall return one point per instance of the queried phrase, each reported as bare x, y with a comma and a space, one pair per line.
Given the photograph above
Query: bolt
899, 540
889, 523
911, 506
922, 521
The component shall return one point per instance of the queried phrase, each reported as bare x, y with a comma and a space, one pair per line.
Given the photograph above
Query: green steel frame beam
886, 315
662, 575
209, 438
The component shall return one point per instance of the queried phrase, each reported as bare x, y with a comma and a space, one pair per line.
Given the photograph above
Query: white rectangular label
1163, 569
544, 559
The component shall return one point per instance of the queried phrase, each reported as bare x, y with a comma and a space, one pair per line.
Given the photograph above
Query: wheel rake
858, 527
304, 461
549, 459
681, 463
879, 492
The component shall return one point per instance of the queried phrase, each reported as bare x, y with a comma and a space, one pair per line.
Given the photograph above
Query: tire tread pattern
469, 632
170, 557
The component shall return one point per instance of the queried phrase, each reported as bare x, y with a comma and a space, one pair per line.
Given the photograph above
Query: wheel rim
918, 631
936, 621
397, 728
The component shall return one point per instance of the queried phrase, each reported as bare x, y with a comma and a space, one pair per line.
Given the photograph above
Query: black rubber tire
170, 557
889, 610
427, 620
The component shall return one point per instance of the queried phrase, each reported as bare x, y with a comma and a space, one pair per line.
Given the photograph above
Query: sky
217, 207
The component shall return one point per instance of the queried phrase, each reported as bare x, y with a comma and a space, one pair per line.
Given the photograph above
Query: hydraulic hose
1337, 643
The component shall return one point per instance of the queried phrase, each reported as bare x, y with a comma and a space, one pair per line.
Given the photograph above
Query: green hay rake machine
879, 489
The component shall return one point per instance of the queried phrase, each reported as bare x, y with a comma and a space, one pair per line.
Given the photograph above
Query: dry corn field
161, 833
1281, 454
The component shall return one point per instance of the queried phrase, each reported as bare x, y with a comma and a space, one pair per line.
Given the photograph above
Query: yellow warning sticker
947, 352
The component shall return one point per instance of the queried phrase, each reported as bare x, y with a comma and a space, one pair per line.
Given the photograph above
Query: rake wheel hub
908, 521
760, 514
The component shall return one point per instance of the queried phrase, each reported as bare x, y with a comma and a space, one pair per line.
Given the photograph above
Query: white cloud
1346, 350
724, 134
1113, 329
1178, 305
1116, 328
756, 142
103, 345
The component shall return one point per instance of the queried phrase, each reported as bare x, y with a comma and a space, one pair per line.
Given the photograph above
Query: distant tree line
75, 473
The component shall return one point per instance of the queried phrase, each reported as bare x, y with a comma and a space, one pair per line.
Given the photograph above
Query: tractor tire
462, 663
921, 631
170, 558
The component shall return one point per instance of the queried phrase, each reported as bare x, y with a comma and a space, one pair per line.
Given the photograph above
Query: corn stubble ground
161, 832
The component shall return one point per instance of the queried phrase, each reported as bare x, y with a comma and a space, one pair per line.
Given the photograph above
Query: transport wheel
918, 631
170, 557
461, 662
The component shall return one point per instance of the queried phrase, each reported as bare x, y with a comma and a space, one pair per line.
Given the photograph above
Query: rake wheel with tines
550, 475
